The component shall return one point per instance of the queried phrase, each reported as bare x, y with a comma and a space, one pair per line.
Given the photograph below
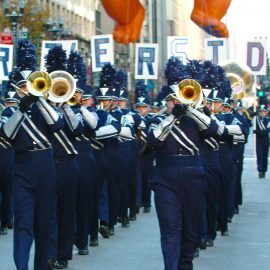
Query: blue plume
226, 87
26, 55
107, 76
56, 59
76, 66
120, 81
194, 70
175, 71
209, 79
140, 89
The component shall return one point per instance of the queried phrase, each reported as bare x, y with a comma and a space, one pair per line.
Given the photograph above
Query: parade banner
101, 51
67, 45
215, 50
178, 46
6, 61
256, 57
146, 61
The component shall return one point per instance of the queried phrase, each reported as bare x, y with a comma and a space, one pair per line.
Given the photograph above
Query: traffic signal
260, 93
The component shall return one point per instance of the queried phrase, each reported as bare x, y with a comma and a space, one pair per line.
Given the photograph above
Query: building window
98, 20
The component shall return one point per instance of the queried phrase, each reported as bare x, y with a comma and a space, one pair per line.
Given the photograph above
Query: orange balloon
129, 17
207, 15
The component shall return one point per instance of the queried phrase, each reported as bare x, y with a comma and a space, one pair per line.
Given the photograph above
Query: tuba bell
189, 91
240, 78
63, 86
39, 83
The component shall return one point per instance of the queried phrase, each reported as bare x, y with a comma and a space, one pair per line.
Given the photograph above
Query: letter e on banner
215, 50
102, 51
178, 46
256, 56
6, 59
146, 64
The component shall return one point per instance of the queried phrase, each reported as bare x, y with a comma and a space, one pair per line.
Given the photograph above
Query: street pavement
138, 247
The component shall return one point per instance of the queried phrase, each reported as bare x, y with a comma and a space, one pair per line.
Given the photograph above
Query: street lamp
13, 16
55, 28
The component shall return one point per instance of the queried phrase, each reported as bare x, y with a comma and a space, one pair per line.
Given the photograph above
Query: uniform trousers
64, 221
86, 163
262, 149
6, 172
34, 199
178, 185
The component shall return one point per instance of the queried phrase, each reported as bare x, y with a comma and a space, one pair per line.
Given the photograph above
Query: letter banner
101, 51
215, 50
6, 61
178, 46
256, 57
67, 45
146, 63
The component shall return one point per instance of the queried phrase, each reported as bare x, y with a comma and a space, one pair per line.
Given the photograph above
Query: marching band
75, 162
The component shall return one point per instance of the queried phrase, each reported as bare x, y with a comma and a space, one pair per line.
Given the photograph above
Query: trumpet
39, 83
189, 92
63, 87
73, 101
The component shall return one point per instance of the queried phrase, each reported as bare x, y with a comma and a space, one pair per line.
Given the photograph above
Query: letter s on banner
67, 45
6, 61
101, 51
256, 56
178, 46
146, 63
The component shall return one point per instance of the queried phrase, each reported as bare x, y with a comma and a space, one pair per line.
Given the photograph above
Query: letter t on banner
256, 56
146, 62
215, 50
6, 59
101, 51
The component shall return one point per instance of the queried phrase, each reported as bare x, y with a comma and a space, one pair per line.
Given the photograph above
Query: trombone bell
73, 101
39, 83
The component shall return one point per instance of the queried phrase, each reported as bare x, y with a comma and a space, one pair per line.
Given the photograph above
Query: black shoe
146, 209
261, 175
132, 217
3, 230
203, 244
104, 231
132, 214
83, 251
229, 220
61, 264
93, 243
51, 264
111, 231
236, 210
197, 253
10, 226
119, 220
125, 222
137, 209
225, 233
210, 243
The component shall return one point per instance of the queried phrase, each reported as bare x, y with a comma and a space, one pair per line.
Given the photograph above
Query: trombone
188, 91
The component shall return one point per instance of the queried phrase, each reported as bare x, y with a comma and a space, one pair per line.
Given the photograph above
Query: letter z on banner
67, 45
146, 63
6, 61
101, 51
256, 56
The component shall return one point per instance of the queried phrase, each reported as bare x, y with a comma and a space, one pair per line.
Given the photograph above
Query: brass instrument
73, 101
63, 87
189, 92
39, 83
240, 78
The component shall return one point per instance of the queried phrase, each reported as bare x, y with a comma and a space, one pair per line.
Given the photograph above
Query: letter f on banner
146, 64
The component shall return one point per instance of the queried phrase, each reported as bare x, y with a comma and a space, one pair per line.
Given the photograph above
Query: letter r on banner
6, 53
146, 65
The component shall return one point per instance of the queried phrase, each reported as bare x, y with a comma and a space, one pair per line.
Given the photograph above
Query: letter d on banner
256, 57
102, 51
146, 63
6, 60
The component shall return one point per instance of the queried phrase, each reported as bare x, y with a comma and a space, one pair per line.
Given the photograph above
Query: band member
142, 105
7, 169
262, 140
28, 130
178, 179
